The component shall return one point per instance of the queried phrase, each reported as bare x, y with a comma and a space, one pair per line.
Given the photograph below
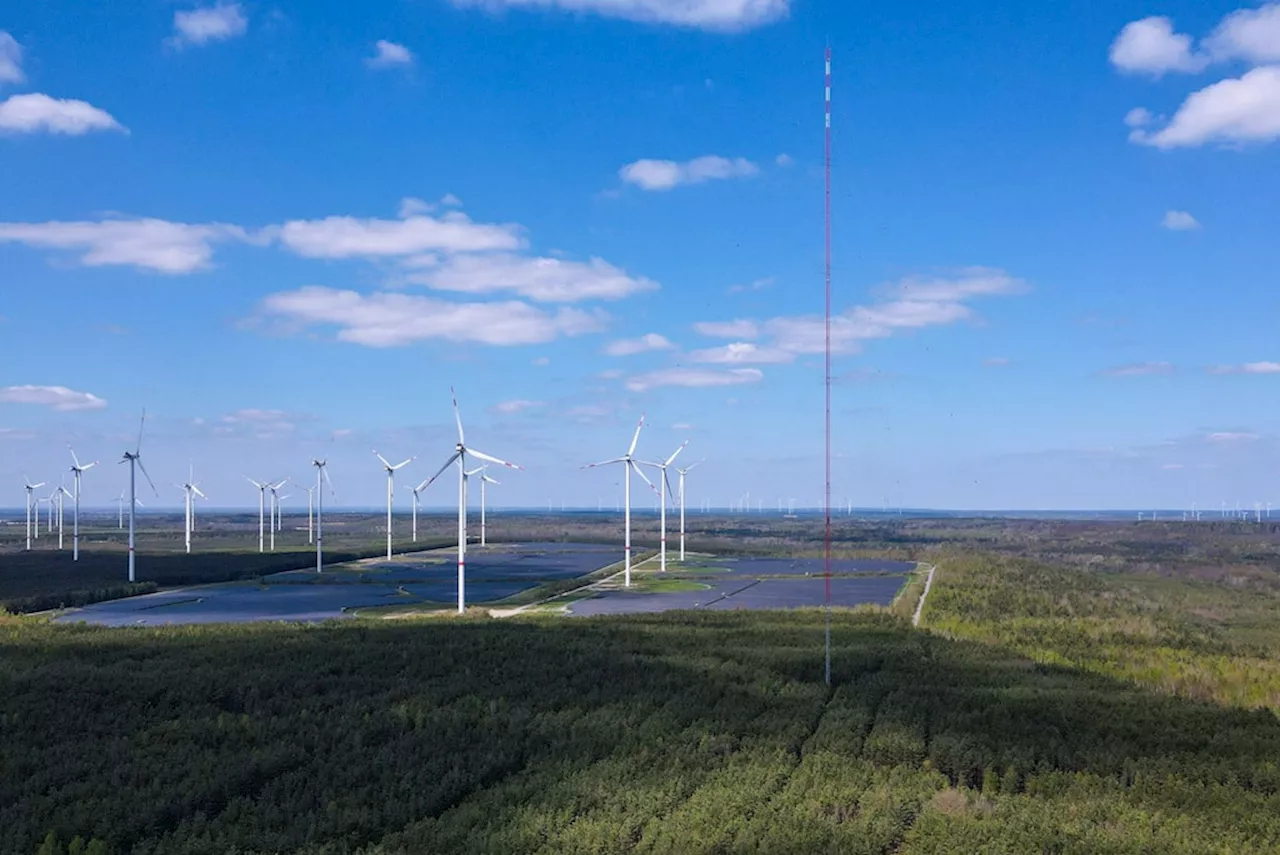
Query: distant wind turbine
275, 509
484, 479
417, 498
459, 456
682, 473
77, 470
311, 498
191, 489
31, 489
61, 494
391, 490
134, 459
322, 478
628, 464
262, 512
664, 491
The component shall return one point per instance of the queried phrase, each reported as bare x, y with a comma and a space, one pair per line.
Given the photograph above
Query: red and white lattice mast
827, 288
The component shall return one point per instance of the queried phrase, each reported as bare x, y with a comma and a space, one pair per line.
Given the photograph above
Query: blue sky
286, 229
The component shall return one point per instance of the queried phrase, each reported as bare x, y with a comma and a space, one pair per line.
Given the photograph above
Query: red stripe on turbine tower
827, 378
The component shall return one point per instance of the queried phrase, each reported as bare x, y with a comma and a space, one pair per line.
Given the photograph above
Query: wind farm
954, 386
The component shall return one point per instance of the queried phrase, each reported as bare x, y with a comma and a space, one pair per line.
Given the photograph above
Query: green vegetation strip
697, 733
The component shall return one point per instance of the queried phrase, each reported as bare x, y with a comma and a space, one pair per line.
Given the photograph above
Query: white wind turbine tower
417, 496
191, 489
460, 454
31, 489
262, 512
484, 479
61, 493
77, 470
275, 510
391, 492
311, 497
628, 464
322, 478
134, 459
682, 473
664, 491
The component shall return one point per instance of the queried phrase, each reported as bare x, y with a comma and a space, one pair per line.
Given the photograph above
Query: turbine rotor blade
74, 459
402, 465
148, 477
643, 477
384, 460
671, 494
676, 454
446, 465
635, 439
491, 459
422, 486
462, 440
605, 462
196, 490
141, 425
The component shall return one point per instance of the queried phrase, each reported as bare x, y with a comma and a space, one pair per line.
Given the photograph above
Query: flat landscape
1073, 688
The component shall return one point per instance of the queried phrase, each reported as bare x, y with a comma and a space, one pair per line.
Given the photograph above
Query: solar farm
509, 578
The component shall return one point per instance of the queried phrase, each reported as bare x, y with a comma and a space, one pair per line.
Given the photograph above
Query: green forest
1040, 709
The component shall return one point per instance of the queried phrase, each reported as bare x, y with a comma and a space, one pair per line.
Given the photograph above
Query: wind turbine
191, 489
484, 479
262, 512
682, 473
275, 510
134, 459
391, 492
417, 495
460, 454
628, 464
31, 488
77, 470
322, 478
61, 493
311, 496
664, 491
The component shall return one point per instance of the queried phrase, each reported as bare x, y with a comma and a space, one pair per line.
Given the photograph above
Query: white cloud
696, 378
547, 280
1232, 112
390, 55
915, 302
1139, 369
997, 362
784, 160
59, 397
755, 285
643, 344
1150, 46
348, 237
1226, 437
666, 174
1179, 221
1247, 368
716, 15
255, 416
508, 408
1173, 467
395, 319
728, 329
742, 353
450, 201
36, 112
208, 24
1249, 34
1138, 117
151, 244
10, 59
409, 206
542, 361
